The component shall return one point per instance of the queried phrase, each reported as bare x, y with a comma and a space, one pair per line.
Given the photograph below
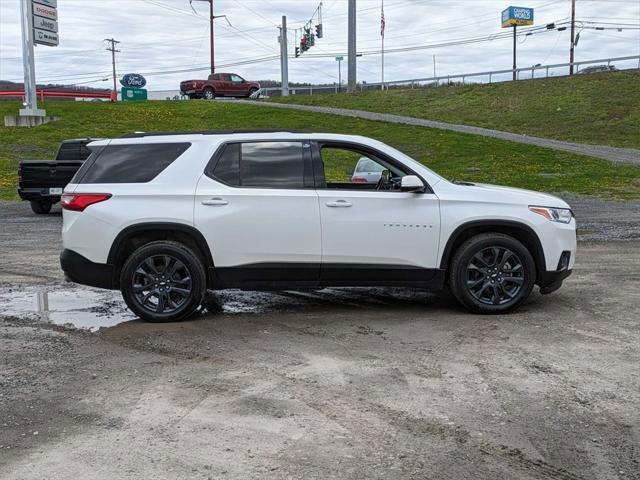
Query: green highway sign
339, 59
133, 94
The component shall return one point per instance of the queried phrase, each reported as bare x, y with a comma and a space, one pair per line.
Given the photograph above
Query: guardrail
43, 93
493, 76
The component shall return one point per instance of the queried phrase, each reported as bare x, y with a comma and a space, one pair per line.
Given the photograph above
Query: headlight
560, 215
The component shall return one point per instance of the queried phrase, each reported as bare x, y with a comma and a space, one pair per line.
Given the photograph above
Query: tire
40, 207
492, 273
251, 92
208, 94
183, 291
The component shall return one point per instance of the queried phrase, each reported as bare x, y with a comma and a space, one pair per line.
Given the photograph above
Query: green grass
601, 108
451, 154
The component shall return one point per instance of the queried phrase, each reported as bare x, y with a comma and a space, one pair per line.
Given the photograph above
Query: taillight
194, 84
358, 180
79, 201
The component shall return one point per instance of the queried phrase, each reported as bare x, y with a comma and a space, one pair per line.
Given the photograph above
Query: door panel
260, 235
390, 230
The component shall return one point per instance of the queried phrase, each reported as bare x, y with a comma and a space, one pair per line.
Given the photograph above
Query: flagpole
382, 25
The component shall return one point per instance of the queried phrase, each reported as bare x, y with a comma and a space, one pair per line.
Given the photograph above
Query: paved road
614, 154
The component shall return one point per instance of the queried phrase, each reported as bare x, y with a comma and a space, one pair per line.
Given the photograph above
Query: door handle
214, 202
339, 203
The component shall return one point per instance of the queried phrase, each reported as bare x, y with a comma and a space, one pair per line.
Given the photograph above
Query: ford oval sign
133, 80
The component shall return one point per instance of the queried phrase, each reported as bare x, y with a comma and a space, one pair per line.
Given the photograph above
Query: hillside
601, 108
453, 155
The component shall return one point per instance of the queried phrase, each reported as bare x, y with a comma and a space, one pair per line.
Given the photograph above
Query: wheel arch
134, 236
518, 230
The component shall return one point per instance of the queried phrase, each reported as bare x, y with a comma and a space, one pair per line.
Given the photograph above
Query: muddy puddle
92, 309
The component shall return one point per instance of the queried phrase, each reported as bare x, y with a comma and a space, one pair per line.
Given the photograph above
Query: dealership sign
133, 80
517, 16
44, 22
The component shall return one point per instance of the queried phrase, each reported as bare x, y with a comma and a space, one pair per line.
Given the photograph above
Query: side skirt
285, 276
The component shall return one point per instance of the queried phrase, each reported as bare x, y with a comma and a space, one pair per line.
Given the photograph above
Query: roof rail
211, 132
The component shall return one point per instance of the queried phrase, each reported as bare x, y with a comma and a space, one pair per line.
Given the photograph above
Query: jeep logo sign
133, 80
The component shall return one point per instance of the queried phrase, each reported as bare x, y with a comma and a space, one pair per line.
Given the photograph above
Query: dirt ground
338, 383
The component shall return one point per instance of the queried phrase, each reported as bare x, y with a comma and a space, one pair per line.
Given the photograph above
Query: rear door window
264, 165
136, 163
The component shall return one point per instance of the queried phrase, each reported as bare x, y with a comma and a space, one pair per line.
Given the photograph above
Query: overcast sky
166, 35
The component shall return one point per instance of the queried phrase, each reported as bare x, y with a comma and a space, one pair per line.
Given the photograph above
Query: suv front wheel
163, 281
492, 273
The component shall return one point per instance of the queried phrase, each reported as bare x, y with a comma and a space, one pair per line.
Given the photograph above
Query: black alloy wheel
163, 281
492, 273
161, 284
495, 275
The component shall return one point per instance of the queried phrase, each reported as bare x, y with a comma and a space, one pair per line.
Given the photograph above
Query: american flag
382, 19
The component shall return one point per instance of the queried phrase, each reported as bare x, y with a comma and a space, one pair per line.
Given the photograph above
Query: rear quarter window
135, 163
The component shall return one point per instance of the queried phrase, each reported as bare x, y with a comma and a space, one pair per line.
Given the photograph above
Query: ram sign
517, 16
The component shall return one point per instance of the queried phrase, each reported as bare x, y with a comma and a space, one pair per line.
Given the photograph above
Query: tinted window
95, 152
137, 163
264, 165
228, 168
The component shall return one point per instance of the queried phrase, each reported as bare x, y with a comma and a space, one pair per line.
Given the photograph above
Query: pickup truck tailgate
44, 174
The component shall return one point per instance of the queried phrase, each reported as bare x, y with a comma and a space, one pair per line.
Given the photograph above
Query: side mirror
411, 183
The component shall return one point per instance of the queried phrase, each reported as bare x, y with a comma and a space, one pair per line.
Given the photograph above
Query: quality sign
517, 16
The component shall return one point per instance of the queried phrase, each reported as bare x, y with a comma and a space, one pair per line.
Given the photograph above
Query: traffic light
297, 52
319, 30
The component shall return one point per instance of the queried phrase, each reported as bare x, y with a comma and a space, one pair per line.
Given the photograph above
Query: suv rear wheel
163, 281
492, 273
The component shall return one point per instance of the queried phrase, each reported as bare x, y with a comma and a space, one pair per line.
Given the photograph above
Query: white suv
164, 217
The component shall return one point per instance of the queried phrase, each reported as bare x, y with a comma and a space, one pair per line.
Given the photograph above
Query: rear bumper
37, 194
79, 269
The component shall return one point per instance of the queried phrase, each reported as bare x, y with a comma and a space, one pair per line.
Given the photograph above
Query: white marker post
28, 63
39, 22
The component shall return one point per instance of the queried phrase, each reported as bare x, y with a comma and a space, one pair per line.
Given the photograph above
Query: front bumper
79, 269
552, 281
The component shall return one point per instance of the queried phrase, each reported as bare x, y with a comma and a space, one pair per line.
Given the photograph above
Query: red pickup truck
219, 85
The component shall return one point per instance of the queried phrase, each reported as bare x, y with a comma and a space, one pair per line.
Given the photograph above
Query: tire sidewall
182, 253
477, 244
207, 92
40, 207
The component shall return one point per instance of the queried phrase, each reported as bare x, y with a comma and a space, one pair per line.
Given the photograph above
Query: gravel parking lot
337, 383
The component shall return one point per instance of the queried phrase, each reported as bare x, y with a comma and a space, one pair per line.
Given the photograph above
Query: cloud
165, 35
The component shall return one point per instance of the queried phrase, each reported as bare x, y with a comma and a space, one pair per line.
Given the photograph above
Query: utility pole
211, 19
382, 25
211, 22
113, 51
573, 32
351, 51
284, 58
515, 65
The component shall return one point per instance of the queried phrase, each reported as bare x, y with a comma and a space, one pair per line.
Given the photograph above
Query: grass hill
453, 155
600, 108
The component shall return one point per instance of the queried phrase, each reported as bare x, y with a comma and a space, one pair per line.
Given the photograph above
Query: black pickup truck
41, 182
